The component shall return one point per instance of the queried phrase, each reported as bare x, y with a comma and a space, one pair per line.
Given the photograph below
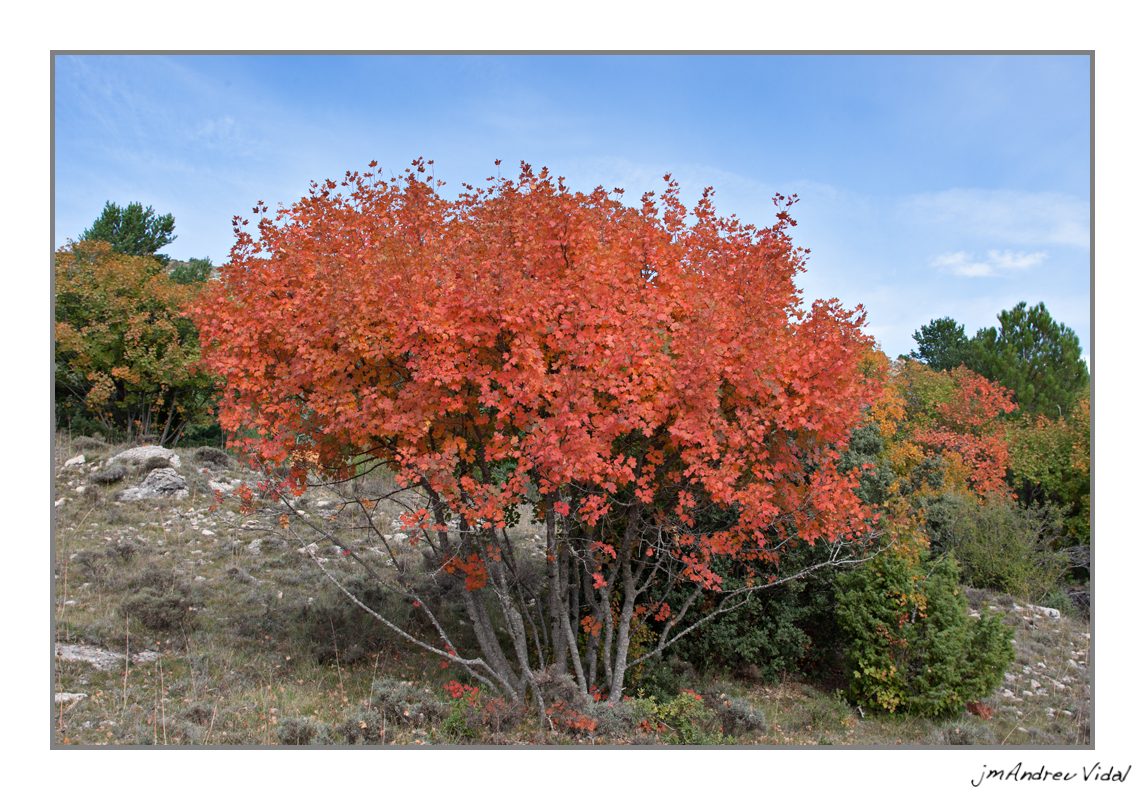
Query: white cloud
996, 263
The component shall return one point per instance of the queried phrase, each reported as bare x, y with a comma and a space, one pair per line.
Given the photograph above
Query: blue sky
929, 186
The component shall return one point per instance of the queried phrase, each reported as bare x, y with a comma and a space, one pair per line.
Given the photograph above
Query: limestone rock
159, 483
99, 658
137, 456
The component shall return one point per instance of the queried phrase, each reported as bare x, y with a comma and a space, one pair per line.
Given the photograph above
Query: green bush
1058, 598
682, 720
662, 677
911, 645
999, 544
788, 628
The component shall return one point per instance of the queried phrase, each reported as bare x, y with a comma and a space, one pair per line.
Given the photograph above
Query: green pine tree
1033, 356
134, 230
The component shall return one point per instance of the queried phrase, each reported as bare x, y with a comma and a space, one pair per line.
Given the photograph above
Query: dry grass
262, 645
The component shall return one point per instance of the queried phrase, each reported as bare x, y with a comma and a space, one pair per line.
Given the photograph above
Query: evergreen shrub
911, 644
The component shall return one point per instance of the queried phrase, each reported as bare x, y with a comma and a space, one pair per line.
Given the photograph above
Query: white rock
75, 462
255, 547
138, 455
1052, 613
164, 482
69, 697
101, 659
60, 502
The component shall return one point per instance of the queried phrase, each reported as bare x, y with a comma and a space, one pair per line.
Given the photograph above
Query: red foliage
980, 710
567, 719
969, 425
459, 691
596, 348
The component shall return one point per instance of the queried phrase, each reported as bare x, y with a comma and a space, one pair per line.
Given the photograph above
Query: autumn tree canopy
623, 370
125, 354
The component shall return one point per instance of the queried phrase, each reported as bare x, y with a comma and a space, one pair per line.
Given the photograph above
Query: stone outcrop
137, 456
100, 658
159, 483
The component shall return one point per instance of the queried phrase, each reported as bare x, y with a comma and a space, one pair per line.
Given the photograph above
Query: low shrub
332, 626
303, 731
365, 726
406, 703
109, 475
154, 462
613, 719
965, 732
157, 610
911, 644
86, 444
123, 549
682, 720
1000, 545
212, 456
92, 562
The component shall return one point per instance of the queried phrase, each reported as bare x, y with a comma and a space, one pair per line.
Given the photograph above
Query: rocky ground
180, 620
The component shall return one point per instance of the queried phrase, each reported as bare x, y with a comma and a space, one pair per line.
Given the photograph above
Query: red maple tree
621, 369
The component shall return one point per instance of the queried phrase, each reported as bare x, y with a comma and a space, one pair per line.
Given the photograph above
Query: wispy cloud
996, 263
1005, 216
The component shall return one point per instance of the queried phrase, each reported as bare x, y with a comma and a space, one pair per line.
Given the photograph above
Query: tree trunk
560, 643
629, 602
